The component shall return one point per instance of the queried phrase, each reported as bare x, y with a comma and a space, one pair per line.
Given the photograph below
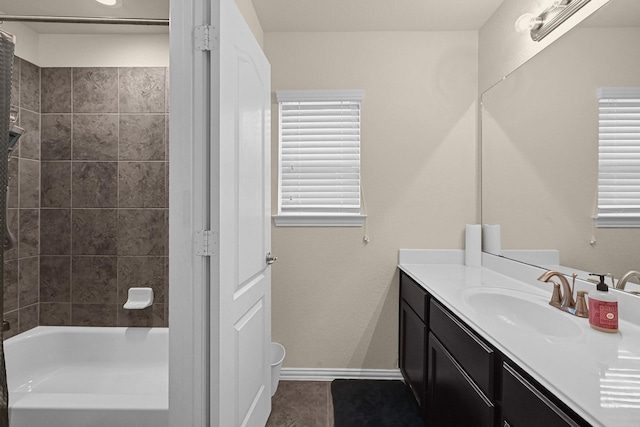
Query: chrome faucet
624, 279
563, 300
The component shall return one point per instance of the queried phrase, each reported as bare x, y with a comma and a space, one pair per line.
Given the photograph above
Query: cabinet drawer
475, 357
523, 405
414, 295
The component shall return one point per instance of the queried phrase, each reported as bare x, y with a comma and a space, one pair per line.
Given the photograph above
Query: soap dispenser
603, 308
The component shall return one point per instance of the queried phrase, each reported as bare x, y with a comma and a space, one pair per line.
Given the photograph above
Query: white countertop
596, 374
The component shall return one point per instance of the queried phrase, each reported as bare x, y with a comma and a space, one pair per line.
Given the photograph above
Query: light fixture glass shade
527, 22
108, 2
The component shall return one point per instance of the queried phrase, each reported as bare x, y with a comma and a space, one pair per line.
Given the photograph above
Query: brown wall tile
148, 317
94, 232
95, 184
14, 323
142, 90
141, 232
56, 137
29, 234
141, 185
55, 314
166, 90
15, 82
166, 139
95, 137
94, 314
13, 222
55, 278
10, 282
29, 86
145, 272
56, 184
116, 228
94, 279
21, 275
27, 318
30, 140
56, 90
28, 281
55, 233
95, 90
29, 175
142, 137
12, 178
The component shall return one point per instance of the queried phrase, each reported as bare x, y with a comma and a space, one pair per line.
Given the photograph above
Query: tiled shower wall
104, 217
96, 166
20, 282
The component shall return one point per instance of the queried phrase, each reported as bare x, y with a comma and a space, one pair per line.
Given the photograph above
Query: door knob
271, 259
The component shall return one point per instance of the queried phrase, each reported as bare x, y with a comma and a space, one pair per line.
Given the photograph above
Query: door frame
189, 189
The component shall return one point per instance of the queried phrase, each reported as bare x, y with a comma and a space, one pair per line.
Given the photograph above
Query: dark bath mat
374, 403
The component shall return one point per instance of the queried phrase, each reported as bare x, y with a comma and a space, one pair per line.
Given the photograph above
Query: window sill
310, 220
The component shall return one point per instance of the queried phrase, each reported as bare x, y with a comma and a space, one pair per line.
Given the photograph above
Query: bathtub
88, 377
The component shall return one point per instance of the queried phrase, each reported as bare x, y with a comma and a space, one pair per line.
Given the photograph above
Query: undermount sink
522, 310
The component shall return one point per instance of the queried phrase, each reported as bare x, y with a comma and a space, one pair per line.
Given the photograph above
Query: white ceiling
277, 15
374, 15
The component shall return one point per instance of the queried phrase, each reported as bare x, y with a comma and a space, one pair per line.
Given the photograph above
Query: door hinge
205, 37
205, 242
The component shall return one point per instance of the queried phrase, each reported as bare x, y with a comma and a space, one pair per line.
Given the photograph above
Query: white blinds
619, 157
319, 152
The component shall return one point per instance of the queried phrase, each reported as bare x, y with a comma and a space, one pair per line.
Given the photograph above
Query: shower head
15, 132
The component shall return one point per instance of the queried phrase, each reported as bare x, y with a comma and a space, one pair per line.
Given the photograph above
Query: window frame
318, 219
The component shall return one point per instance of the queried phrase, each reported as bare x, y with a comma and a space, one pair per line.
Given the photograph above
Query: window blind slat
619, 155
319, 155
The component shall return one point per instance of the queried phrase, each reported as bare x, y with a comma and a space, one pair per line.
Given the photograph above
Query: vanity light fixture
541, 25
112, 3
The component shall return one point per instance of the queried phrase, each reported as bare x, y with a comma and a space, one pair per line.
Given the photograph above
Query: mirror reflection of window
618, 157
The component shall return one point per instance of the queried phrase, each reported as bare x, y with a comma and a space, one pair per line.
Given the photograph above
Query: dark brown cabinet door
413, 347
523, 405
454, 400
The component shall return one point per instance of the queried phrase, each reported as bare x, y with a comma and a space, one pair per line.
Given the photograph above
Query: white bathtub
88, 377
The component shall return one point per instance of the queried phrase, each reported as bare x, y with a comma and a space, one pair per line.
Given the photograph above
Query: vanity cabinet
412, 350
460, 375
459, 379
454, 398
525, 404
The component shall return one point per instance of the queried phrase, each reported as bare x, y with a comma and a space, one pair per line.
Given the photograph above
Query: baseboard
304, 374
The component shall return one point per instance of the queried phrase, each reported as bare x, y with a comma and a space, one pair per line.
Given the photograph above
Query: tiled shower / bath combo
88, 196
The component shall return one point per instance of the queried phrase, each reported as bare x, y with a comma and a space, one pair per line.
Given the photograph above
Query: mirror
540, 145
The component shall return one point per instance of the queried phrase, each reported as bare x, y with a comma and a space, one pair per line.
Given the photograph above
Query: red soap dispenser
603, 308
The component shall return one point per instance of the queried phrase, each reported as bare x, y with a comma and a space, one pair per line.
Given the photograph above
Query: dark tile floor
302, 404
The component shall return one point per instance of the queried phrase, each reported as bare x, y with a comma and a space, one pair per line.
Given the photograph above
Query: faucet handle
581, 305
556, 297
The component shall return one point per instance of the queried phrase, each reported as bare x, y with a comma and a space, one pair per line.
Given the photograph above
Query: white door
241, 213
